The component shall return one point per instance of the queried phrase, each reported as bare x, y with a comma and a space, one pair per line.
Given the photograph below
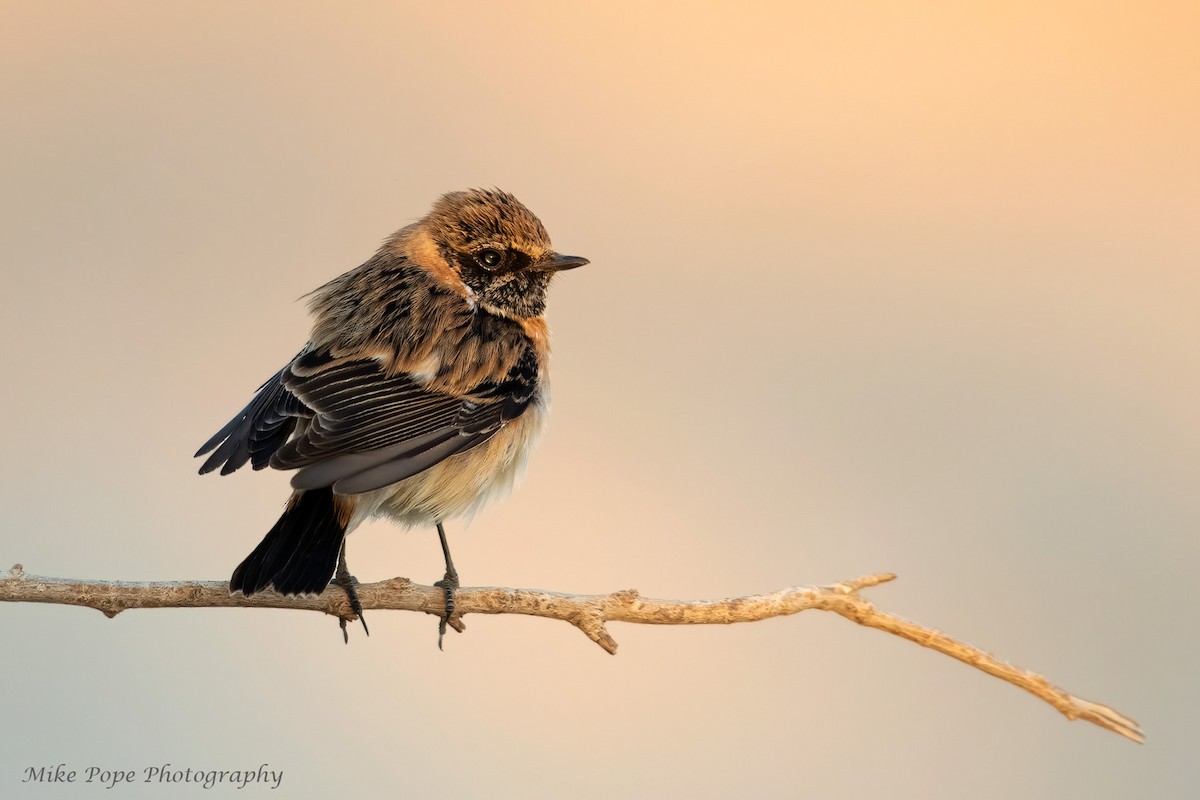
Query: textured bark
588, 613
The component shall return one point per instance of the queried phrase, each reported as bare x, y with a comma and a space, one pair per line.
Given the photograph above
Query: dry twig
589, 613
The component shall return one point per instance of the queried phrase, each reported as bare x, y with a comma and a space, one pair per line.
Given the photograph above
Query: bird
418, 396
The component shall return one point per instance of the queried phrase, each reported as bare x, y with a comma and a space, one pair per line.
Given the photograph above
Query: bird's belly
462, 483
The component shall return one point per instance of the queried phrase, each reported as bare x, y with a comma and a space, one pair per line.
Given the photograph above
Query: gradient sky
879, 286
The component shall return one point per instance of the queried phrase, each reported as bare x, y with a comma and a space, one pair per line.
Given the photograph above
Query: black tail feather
300, 553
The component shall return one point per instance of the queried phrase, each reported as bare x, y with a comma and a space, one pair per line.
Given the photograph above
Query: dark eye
489, 258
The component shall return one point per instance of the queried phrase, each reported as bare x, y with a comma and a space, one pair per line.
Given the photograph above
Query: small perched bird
419, 395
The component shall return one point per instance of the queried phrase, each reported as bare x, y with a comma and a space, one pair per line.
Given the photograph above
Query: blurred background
891, 286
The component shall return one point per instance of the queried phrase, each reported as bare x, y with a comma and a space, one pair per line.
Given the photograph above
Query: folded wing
355, 427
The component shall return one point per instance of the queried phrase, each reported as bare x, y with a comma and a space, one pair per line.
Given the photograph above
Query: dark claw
344, 579
449, 584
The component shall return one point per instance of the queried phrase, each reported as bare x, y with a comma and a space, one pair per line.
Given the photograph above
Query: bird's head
497, 248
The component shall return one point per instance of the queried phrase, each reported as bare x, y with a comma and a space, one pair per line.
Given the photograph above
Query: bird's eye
489, 258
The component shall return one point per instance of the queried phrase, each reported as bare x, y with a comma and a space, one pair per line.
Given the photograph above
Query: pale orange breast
463, 483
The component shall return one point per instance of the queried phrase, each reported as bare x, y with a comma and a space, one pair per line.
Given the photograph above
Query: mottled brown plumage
419, 394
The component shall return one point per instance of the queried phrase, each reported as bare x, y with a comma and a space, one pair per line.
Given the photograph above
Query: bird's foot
348, 583
449, 585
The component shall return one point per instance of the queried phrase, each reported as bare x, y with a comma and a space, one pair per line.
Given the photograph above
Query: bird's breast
463, 483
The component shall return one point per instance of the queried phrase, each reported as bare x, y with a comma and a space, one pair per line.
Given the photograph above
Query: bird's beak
557, 262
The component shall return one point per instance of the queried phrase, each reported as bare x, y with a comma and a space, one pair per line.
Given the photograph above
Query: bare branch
588, 613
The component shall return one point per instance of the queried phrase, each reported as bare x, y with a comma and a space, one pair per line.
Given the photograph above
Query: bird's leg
448, 583
344, 579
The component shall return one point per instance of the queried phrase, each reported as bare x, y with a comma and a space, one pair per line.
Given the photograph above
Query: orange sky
884, 286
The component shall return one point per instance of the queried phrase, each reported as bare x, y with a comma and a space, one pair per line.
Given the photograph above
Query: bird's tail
300, 554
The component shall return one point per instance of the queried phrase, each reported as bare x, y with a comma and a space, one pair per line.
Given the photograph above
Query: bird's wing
258, 430
368, 428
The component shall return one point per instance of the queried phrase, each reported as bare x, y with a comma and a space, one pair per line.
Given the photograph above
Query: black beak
557, 262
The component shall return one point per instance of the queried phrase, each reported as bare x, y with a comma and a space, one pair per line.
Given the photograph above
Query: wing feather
356, 427
257, 431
